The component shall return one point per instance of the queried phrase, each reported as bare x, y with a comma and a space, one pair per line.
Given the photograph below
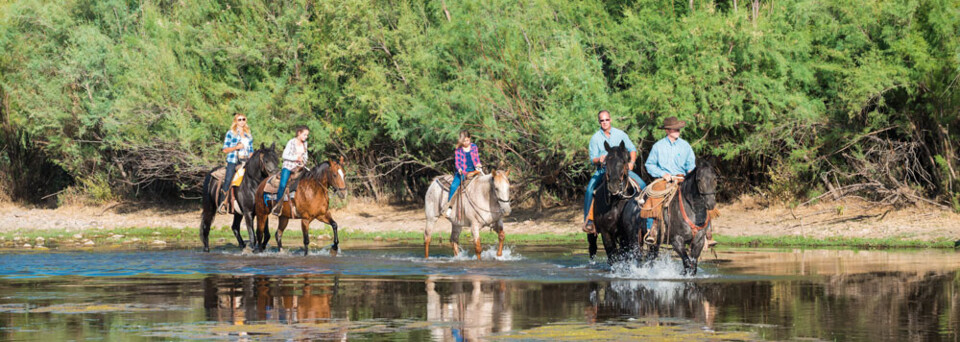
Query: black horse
686, 215
620, 232
261, 164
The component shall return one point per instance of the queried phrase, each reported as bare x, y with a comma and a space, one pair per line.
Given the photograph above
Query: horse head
267, 158
501, 188
336, 177
706, 178
616, 164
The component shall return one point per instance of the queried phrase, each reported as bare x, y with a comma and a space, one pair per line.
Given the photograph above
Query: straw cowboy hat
673, 123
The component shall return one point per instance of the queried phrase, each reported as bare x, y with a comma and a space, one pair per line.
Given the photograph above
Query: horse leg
677, 243
336, 239
279, 234
609, 246
696, 247
426, 235
305, 229
501, 235
455, 238
261, 224
253, 228
592, 245
235, 227
266, 234
475, 230
205, 219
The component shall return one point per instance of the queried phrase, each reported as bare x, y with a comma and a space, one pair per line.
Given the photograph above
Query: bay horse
618, 232
688, 215
485, 201
262, 163
311, 202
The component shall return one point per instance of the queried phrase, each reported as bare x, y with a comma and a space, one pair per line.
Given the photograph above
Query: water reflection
651, 300
476, 311
258, 299
824, 295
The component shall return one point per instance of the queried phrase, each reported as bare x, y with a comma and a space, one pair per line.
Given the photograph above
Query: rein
683, 211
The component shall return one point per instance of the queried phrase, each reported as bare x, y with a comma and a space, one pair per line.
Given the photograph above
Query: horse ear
341, 160
606, 146
261, 146
622, 145
273, 146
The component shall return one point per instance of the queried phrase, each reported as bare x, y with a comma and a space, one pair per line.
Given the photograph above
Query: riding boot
710, 241
588, 226
221, 207
278, 206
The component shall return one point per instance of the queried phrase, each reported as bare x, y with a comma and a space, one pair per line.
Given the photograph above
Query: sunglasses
242, 119
604, 120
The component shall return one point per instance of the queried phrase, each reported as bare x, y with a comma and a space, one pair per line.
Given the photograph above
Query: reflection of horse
686, 216
653, 299
476, 313
486, 200
261, 164
261, 298
609, 201
310, 201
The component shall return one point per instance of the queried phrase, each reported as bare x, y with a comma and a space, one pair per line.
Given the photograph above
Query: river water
531, 293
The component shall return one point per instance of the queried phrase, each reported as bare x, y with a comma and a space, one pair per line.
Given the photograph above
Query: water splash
662, 268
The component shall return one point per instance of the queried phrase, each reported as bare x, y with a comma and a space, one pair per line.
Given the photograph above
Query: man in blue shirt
598, 154
670, 157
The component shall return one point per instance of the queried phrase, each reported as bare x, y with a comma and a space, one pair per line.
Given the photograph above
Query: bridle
623, 188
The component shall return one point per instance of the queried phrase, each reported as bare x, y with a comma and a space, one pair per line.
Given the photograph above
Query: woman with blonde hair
467, 161
238, 145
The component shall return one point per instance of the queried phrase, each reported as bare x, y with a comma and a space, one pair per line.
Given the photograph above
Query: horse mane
316, 173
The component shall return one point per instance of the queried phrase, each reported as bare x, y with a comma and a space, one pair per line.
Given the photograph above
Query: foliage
777, 97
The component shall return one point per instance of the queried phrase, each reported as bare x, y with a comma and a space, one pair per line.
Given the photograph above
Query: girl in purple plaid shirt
467, 160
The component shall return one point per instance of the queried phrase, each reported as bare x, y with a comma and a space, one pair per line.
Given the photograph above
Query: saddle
457, 201
656, 202
218, 176
273, 185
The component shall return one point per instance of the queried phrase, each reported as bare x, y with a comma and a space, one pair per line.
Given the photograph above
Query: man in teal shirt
598, 154
670, 157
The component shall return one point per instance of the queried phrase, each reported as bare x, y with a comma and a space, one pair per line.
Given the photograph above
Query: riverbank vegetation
793, 100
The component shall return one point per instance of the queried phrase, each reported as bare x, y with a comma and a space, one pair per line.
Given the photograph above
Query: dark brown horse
261, 164
688, 215
311, 202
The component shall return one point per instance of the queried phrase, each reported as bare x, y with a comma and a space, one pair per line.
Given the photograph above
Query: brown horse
311, 203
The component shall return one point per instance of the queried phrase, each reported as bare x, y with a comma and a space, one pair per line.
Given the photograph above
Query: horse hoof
206, 250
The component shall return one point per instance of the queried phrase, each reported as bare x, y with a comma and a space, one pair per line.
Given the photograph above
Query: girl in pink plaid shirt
467, 160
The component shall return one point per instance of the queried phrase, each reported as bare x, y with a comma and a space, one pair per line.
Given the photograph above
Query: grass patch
293, 236
190, 236
799, 241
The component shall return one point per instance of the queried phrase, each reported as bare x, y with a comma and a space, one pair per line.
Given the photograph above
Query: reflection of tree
895, 305
476, 313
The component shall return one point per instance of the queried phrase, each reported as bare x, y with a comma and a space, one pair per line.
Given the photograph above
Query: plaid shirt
460, 158
231, 140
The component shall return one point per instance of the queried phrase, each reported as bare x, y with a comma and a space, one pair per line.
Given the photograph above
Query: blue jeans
597, 175
457, 178
228, 178
284, 176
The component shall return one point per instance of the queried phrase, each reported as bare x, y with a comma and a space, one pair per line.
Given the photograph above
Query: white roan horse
485, 201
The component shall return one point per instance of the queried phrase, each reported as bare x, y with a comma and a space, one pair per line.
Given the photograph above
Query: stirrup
589, 227
277, 208
650, 238
222, 206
